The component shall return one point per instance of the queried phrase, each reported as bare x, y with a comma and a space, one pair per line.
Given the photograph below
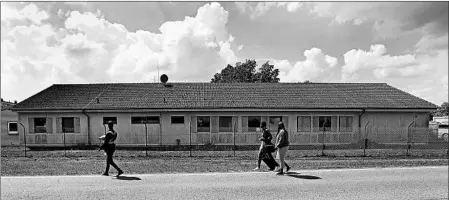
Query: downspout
88, 118
88, 126
360, 117
360, 124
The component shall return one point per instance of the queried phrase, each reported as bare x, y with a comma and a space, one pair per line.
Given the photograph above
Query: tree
442, 110
246, 73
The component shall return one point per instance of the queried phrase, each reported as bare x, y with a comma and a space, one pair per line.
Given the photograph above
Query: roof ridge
236, 83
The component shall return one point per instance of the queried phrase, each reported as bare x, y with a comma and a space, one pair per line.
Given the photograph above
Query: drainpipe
360, 117
360, 121
88, 127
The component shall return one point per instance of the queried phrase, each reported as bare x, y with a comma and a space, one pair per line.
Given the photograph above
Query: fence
359, 142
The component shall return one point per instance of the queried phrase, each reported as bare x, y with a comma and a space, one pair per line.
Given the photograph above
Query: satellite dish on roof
164, 78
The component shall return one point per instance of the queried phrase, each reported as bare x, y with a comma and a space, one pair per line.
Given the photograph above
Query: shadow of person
298, 175
128, 178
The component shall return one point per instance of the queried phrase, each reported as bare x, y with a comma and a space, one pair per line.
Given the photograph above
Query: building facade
10, 126
221, 114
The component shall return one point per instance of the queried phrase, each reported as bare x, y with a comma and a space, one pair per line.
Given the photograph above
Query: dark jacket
109, 140
282, 139
266, 136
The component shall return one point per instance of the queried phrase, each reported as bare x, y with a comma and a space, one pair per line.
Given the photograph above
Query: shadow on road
298, 175
128, 178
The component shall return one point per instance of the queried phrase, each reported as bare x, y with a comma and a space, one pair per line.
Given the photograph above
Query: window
443, 126
274, 123
39, 125
68, 125
203, 124
322, 123
253, 123
225, 124
304, 123
345, 123
177, 119
107, 119
143, 120
12, 128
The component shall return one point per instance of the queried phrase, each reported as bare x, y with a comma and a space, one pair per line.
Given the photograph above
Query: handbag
269, 148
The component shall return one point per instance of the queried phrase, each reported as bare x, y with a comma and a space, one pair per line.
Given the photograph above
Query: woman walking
109, 148
281, 145
265, 139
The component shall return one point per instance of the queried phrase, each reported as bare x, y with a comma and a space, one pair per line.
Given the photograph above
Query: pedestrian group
266, 148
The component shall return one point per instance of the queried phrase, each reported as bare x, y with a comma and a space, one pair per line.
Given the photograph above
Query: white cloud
380, 64
391, 19
344, 12
430, 42
240, 47
28, 13
317, 67
261, 8
91, 49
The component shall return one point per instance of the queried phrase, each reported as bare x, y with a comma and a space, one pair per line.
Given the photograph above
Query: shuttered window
304, 123
345, 123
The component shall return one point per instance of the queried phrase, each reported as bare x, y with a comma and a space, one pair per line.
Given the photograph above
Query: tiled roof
223, 95
7, 105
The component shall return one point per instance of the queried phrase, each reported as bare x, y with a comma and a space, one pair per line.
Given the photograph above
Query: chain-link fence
365, 141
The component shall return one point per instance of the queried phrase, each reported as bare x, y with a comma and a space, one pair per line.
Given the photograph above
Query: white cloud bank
258, 9
316, 67
91, 49
420, 74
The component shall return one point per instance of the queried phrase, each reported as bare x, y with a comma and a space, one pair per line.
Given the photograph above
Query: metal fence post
365, 146
65, 150
233, 135
190, 137
146, 138
24, 138
324, 130
408, 137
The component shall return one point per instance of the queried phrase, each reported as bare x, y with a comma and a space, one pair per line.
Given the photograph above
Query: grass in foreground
88, 162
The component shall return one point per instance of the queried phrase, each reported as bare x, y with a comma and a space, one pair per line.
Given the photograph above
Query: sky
403, 44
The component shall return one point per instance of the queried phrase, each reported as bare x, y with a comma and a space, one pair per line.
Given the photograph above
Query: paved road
381, 183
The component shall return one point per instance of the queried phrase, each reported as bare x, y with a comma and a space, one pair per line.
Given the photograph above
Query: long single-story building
220, 113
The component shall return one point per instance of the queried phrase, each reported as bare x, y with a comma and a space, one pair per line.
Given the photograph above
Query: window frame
13, 132
199, 128
115, 120
40, 127
351, 125
225, 129
251, 128
145, 120
179, 116
273, 127
62, 125
310, 124
320, 128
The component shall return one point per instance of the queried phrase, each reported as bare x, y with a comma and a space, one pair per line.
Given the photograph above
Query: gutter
360, 117
88, 126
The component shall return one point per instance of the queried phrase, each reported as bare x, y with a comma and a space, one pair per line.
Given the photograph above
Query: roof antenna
157, 66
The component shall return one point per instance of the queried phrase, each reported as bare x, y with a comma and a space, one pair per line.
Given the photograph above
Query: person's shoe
277, 170
120, 173
256, 169
288, 168
281, 172
105, 174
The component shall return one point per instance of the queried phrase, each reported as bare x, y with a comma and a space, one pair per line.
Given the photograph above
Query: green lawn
85, 162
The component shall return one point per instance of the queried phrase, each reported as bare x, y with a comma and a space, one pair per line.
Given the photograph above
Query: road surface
378, 183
